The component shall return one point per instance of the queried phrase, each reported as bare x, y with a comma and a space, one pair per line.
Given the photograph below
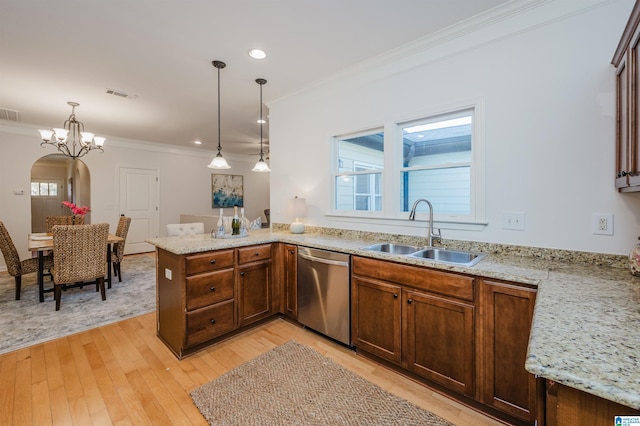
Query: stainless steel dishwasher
324, 292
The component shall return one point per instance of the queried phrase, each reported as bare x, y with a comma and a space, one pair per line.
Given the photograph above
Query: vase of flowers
77, 211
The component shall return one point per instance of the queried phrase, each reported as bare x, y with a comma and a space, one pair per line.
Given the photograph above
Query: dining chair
15, 266
51, 221
79, 257
118, 249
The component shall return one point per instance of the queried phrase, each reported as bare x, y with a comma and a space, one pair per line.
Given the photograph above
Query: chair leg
57, 293
115, 269
18, 279
102, 291
119, 273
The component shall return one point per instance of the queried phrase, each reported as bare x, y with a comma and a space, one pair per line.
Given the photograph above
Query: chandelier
72, 140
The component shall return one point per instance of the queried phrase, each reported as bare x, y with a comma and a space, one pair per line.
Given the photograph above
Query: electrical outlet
513, 220
602, 223
167, 273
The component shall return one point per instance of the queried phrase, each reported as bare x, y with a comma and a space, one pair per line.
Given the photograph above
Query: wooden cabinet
418, 318
376, 316
290, 278
204, 296
461, 332
438, 340
254, 284
505, 323
569, 406
627, 62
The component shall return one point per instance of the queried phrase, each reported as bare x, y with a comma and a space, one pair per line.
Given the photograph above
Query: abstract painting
226, 191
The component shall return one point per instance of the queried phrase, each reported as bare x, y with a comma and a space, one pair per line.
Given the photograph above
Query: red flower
78, 211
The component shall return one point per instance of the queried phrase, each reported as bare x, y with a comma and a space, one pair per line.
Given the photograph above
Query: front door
139, 201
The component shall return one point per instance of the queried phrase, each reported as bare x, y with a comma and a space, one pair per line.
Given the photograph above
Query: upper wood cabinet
626, 60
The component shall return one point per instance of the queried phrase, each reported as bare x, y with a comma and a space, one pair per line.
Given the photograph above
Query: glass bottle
235, 223
220, 226
243, 226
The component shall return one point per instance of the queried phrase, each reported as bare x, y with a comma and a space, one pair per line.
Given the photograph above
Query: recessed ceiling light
197, 142
257, 54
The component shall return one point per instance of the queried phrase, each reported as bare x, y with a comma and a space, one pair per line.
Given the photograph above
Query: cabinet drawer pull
257, 254
212, 321
212, 288
212, 261
395, 295
410, 301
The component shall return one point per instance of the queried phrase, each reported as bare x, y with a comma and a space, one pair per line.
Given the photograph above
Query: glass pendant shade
261, 166
219, 162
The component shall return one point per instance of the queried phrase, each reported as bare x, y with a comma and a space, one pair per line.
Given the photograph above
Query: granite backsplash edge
598, 259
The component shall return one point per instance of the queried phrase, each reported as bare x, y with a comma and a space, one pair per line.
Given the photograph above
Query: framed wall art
226, 191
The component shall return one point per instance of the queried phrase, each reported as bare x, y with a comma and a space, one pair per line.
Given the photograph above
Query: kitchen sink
457, 257
392, 248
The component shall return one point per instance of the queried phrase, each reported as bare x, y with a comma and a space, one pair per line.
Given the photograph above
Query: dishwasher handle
321, 260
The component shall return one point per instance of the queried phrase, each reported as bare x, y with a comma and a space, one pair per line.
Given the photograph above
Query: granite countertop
586, 324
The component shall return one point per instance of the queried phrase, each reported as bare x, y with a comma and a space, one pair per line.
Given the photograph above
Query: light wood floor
122, 374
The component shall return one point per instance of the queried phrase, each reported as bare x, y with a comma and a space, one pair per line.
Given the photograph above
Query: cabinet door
376, 318
622, 124
291, 280
438, 340
254, 292
506, 321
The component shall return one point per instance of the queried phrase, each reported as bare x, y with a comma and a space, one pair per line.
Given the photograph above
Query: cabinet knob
212, 261
212, 321
241, 273
212, 288
395, 295
292, 251
257, 254
410, 301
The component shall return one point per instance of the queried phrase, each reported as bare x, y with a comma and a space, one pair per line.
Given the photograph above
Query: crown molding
493, 25
29, 130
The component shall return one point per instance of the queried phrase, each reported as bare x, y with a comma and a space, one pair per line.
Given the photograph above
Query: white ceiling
160, 52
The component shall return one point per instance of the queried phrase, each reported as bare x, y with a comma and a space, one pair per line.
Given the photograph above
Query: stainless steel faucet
412, 216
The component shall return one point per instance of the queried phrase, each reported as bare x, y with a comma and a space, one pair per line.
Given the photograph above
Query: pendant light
218, 161
261, 165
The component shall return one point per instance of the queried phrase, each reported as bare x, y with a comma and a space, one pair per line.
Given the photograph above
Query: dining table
42, 243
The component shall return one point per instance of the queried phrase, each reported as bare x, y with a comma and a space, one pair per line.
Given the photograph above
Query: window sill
419, 223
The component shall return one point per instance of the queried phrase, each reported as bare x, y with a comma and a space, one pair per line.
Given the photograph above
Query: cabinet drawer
209, 288
207, 323
209, 261
253, 253
445, 283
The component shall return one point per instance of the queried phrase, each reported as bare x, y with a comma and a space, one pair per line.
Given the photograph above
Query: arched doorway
56, 178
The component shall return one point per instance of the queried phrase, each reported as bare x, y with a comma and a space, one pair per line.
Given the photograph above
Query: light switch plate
513, 220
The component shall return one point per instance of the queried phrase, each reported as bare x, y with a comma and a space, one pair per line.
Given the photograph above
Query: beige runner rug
295, 385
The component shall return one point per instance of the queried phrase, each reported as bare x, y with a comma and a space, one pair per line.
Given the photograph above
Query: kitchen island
586, 322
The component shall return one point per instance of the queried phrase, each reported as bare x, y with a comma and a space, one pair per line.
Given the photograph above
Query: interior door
139, 201
46, 205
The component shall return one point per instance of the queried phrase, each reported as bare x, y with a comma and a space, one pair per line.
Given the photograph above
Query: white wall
185, 180
547, 86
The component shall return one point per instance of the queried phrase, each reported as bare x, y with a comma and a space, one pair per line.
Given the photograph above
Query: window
436, 163
358, 181
439, 157
44, 189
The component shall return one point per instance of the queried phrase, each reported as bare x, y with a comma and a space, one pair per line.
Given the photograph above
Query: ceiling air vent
119, 93
9, 114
